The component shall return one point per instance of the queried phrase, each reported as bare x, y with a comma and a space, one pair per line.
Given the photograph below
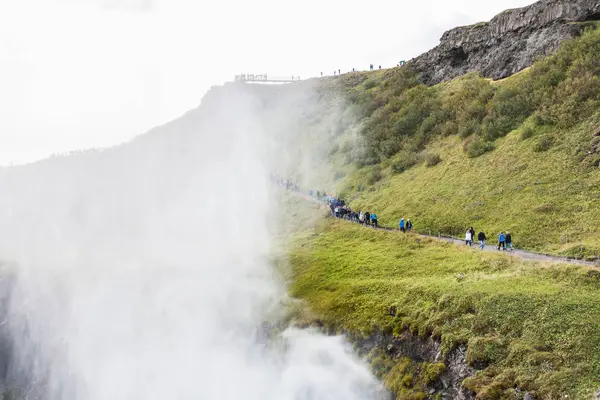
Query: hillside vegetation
529, 326
521, 154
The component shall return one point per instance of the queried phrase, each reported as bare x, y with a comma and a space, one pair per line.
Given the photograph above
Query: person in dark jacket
482, 238
368, 218
508, 240
409, 225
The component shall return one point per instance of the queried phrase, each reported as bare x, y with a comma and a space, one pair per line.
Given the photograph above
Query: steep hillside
515, 327
521, 154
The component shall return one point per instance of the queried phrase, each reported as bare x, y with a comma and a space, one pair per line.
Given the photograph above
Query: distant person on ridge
501, 241
402, 225
310, 192
468, 238
508, 240
481, 237
368, 218
371, 67
339, 71
374, 220
409, 226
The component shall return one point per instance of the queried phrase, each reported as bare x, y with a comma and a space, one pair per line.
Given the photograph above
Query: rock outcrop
507, 44
447, 386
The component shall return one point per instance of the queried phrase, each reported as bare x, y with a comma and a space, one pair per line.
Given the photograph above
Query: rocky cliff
510, 42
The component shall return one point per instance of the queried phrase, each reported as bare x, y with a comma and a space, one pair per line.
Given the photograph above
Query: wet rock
449, 386
457, 370
508, 43
445, 383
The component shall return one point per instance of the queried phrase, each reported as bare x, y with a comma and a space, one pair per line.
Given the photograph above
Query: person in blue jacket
501, 241
374, 220
402, 225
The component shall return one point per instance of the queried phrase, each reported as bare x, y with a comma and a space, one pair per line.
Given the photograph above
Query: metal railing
265, 78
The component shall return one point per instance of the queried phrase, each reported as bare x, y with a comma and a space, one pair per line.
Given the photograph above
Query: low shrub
370, 84
432, 159
484, 350
404, 162
374, 176
526, 133
477, 147
544, 143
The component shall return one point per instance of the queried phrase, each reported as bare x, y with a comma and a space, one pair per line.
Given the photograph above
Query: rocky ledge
507, 44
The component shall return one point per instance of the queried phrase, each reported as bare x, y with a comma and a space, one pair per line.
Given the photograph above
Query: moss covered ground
527, 325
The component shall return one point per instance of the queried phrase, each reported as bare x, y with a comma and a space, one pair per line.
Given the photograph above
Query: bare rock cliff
510, 42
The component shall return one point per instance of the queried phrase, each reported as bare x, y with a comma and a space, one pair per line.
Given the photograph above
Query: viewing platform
264, 78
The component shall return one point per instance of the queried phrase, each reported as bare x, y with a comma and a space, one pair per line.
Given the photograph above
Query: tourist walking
402, 225
501, 241
468, 237
409, 225
374, 220
508, 240
368, 218
482, 238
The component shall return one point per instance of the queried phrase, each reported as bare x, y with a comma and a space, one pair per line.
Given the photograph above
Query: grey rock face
507, 44
407, 345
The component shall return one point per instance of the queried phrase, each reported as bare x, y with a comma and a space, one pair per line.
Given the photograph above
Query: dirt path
489, 247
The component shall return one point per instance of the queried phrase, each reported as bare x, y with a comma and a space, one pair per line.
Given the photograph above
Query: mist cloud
96, 73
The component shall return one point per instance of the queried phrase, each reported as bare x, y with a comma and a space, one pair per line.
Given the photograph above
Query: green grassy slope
531, 325
549, 202
522, 154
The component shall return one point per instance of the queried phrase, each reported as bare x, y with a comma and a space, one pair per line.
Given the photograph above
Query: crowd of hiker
504, 239
339, 209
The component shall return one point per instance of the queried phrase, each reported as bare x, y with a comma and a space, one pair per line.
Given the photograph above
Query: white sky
78, 74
